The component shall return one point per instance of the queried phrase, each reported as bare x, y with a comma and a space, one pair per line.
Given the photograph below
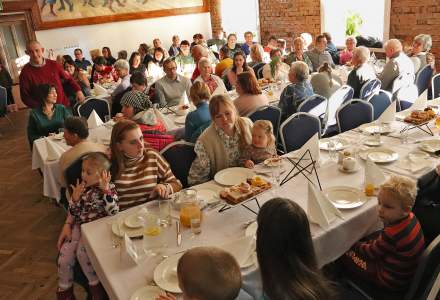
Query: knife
179, 235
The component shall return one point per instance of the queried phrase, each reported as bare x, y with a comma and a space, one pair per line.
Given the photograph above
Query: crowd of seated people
218, 126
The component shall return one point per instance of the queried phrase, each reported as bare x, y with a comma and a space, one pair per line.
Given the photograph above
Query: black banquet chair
180, 156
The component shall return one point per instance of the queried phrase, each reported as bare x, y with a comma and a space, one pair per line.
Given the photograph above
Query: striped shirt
396, 252
140, 176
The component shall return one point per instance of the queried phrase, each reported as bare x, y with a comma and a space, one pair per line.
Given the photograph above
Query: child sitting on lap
207, 273
262, 147
390, 258
92, 198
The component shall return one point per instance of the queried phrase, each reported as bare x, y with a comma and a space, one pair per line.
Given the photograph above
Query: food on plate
273, 161
418, 116
245, 190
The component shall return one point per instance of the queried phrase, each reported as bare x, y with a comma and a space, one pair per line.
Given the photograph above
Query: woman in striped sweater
140, 173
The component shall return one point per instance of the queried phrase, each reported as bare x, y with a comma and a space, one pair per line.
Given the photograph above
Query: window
374, 14
239, 16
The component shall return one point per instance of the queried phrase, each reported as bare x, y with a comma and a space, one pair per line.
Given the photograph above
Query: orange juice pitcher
190, 208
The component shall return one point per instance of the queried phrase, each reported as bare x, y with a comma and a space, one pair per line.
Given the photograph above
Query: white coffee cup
349, 163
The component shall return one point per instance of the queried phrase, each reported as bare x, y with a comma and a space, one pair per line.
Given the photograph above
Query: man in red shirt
41, 70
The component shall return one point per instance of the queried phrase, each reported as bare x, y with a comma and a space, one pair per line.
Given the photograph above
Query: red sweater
51, 73
395, 251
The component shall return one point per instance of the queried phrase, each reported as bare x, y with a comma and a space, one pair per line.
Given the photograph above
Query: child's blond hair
209, 273
267, 127
404, 188
98, 160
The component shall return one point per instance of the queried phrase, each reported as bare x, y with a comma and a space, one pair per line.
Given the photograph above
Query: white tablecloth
121, 278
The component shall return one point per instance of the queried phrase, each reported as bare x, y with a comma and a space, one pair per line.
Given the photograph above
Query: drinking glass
196, 226
107, 118
115, 239
165, 212
153, 236
376, 134
332, 146
404, 137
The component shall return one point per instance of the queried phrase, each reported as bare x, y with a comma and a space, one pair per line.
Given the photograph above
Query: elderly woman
136, 106
250, 96
276, 69
198, 120
220, 145
231, 45
140, 173
362, 71
214, 82
298, 53
238, 67
47, 118
103, 73
136, 64
346, 54
419, 53
325, 82
122, 69
108, 56
154, 67
297, 91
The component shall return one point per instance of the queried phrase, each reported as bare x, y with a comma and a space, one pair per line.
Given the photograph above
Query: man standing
318, 55
80, 61
172, 87
398, 64
40, 70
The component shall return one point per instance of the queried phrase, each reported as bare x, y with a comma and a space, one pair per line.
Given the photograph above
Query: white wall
125, 35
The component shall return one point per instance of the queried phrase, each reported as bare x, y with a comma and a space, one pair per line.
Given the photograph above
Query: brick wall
411, 17
287, 20
216, 15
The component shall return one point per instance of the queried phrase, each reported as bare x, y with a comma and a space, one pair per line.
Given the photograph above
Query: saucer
356, 168
373, 143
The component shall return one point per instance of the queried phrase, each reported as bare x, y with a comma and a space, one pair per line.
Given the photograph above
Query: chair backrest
380, 102
428, 267
343, 94
180, 156
3, 101
298, 129
73, 172
354, 113
424, 78
259, 73
101, 107
369, 88
435, 86
315, 104
270, 113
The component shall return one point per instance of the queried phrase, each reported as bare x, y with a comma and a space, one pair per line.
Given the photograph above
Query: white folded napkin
313, 145
99, 90
320, 210
389, 114
373, 174
435, 101
131, 249
54, 151
420, 102
240, 249
94, 120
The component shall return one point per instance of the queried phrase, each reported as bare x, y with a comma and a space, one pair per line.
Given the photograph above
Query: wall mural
60, 13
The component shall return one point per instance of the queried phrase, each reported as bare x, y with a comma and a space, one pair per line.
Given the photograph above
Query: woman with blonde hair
257, 57
198, 120
140, 173
220, 145
250, 96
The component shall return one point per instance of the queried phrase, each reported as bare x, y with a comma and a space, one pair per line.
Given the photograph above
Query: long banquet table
121, 278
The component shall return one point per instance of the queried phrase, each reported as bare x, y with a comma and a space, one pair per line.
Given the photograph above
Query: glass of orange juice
437, 123
189, 207
369, 189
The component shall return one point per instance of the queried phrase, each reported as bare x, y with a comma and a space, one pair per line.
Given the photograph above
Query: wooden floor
29, 222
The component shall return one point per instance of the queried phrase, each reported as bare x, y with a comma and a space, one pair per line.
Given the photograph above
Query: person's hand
65, 235
104, 180
77, 190
80, 97
438, 170
160, 190
166, 297
249, 164
118, 117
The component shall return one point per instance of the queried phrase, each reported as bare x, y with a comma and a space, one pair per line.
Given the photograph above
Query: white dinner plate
373, 142
341, 144
165, 274
180, 120
430, 145
251, 230
146, 293
418, 155
370, 128
209, 196
233, 176
131, 232
133, 221
380, 155
345, 197
273, 162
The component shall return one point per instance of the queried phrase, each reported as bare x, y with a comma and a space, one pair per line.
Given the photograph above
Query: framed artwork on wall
63, 13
